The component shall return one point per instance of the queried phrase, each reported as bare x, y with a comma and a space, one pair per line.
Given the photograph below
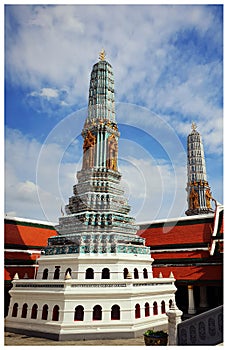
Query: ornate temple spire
98, 201
199, 194
100, 132
101, 105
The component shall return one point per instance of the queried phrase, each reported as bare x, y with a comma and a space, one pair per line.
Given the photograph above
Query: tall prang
199, 193
95, 278
98, 203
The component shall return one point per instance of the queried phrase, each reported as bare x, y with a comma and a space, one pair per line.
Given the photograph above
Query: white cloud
46, 92
47, 100
155, 189
26, 191
55, 18
27, 195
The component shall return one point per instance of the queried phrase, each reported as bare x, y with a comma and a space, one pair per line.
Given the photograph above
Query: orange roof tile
197, 233
31, 236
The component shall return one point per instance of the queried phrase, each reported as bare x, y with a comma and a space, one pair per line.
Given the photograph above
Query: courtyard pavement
13, 339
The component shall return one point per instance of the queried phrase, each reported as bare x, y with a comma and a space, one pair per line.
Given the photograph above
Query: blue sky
168, 68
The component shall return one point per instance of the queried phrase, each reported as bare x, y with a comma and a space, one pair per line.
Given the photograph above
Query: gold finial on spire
194, 126
102, 55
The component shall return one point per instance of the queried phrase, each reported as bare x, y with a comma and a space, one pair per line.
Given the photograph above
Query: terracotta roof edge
181, 218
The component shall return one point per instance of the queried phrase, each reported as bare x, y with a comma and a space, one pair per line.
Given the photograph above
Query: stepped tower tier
199, 194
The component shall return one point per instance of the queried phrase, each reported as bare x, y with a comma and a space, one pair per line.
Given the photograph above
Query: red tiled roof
12, 255
182, 247
195, 233
30, 236
27, 235
191, 273
194, 254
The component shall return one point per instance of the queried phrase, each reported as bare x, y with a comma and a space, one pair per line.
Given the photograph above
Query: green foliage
151, 332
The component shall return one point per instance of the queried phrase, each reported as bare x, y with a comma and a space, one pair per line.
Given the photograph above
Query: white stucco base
69, 293
90, 332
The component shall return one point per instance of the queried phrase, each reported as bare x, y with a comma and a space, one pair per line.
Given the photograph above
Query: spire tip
102, 55
194, 126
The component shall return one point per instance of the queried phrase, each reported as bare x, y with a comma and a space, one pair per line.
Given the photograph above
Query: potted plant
152, 337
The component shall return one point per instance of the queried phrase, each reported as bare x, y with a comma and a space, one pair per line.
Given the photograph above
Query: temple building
192, 248
95, 277
199, 193
24, 239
